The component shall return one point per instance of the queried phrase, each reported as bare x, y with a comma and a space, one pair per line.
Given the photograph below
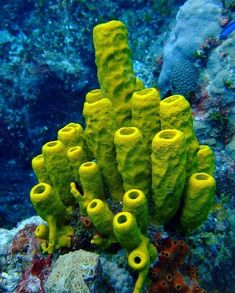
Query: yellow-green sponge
59, 170
168, 173
47, 202
72, 135
140, 260
39, 168
175, 112
91, 179
76, 157
145, 113
102, 218
51, 209
92, 185
198, 201
140, 252
60, 237
100, 128
94, 95
205, 158
114, 65
135, 202
126, 230
133, 159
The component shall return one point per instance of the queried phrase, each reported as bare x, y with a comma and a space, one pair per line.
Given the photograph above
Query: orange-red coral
167, 275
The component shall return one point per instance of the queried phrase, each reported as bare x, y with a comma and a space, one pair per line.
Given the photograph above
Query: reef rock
195, 21
220, 79
74, 272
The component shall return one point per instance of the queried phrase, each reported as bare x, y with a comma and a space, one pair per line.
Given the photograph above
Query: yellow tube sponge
115, 70
168, 173
198, 201
72, 135
140, 260
92, 185
102, 218
175, 112
94, 95
205, 158
100, 128
42, 232
91, 179
145, 113
133, 159
39, 168
126, 230
135, 202
63, 237
47, 202
58, 169
76, 158
51, 209
140, 252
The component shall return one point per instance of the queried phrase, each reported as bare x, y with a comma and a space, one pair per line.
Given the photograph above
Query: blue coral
114, 270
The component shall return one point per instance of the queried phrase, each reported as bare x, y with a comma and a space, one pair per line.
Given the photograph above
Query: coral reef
17, 247
47, 65
39, 92
124, 161
115, 273
219, 70
170, 272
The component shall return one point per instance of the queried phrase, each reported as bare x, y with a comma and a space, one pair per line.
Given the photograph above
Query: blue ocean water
47, 65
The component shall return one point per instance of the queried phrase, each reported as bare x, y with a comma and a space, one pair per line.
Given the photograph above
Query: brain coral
72, 271
195, 21
180, 70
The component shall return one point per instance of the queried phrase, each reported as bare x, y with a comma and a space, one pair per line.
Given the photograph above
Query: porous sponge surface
133, 159
100, 128
113, 60
168, 173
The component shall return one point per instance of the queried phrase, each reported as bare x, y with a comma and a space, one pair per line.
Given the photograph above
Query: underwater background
47, 65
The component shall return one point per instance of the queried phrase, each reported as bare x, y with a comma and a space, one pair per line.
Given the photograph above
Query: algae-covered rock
74, 272
195, 21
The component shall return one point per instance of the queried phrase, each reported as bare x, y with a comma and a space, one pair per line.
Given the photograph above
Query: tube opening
201, 177
171, 99
167, 134
127, 130
73, 149
169, 278
133, 194
178, 287
72, 124
137, 259
88, 164
51, 144
93, 205
122, 219
39, 189
66, 129
144, 92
